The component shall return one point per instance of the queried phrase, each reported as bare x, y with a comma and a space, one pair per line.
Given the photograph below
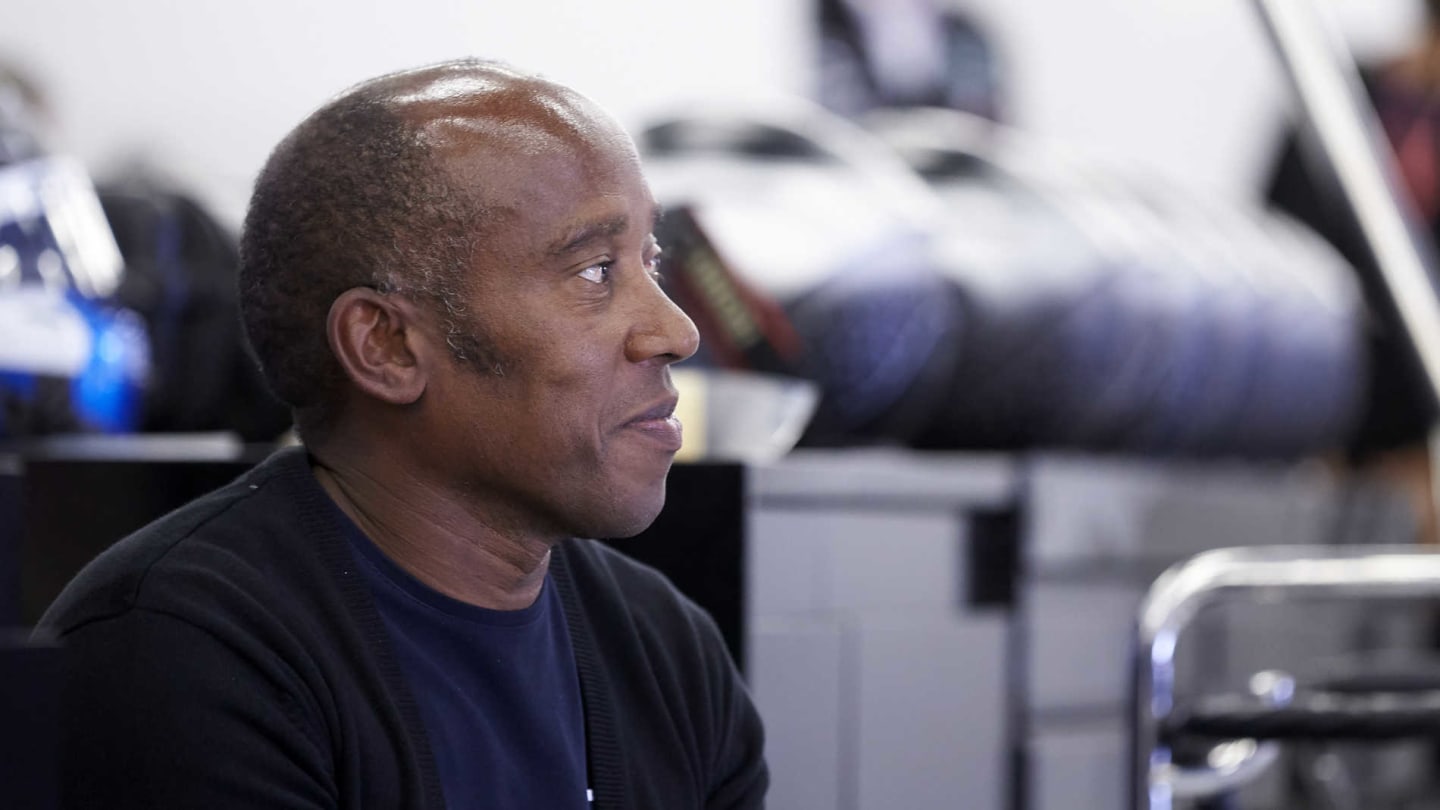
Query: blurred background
1007, 305
1186, 88
1133, 149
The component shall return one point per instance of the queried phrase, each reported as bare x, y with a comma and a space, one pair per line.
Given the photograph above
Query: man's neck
433, 536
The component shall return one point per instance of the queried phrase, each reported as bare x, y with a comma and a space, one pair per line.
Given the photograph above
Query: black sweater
230, 656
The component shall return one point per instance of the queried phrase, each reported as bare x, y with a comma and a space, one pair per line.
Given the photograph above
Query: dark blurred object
742, 328
180, 269
884, 347
1013, 297
29, 734
70, 359
1397, 409
905, 53
118, 311
1111, 311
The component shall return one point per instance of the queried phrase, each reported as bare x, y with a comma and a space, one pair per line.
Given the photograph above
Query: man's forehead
517, 133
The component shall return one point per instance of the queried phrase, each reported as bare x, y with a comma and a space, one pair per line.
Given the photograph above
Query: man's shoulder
216, 537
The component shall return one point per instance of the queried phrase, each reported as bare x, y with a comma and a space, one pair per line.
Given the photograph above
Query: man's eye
596, 273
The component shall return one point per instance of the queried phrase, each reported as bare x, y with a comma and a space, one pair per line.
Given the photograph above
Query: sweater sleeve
740, 774
158, 713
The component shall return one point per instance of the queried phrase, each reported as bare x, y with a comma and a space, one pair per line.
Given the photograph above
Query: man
449, 274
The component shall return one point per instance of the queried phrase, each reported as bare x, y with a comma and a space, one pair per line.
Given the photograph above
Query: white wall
1187, 88
1184, 87
207, 87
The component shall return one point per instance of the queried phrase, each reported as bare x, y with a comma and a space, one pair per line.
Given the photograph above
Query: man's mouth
659, 423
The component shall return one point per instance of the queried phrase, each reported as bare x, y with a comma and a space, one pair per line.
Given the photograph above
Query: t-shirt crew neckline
434, 600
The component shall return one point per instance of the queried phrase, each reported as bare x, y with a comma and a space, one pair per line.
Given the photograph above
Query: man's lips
658, 423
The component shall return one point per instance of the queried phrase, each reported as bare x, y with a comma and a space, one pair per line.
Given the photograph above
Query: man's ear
376, 339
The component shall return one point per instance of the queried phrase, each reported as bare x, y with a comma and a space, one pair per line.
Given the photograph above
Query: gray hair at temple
354, 196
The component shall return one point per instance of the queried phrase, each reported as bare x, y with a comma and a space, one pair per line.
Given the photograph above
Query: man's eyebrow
594, 231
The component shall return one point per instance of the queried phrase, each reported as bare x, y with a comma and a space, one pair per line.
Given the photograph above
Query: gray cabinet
888, 673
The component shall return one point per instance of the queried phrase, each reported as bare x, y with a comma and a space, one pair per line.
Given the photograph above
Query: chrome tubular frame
1254, 575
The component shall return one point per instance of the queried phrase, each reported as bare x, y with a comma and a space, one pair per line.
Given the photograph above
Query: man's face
574, 433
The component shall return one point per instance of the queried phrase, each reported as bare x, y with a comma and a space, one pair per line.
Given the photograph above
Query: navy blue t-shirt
497, 690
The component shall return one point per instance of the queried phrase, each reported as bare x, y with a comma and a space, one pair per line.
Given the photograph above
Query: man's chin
628, 517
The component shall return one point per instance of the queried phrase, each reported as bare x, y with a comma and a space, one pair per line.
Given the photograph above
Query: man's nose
662, 331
